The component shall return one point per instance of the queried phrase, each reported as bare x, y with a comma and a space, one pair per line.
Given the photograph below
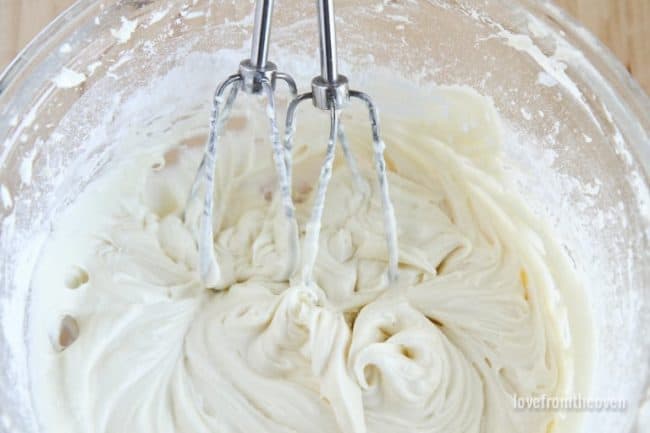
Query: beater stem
261, 34
327, 33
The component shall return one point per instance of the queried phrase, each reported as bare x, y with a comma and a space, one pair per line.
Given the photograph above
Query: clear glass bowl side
576, 134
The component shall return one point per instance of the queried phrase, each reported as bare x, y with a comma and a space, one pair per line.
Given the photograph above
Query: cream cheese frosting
131, 340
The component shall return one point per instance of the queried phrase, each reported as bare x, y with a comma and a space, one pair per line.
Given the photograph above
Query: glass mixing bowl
577, 125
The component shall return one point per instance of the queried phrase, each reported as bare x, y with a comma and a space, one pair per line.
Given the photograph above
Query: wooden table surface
624, 26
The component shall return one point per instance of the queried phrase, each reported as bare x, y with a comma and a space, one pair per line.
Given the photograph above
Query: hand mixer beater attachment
256, 76
329, 92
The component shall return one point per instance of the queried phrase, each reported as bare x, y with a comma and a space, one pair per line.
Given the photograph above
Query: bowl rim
614, 84
567, 23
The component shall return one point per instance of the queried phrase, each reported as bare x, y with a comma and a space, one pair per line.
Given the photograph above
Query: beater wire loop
290, 130
312, 235
279, 158
208, 266
290, 82
359, 181
390, 222
225, 113
329, 92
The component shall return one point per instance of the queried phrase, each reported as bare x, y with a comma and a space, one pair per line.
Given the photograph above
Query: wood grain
624, 26
21, 20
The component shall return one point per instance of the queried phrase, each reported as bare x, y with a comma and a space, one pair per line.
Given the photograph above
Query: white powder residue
5, 195
545, 79
123, 34
643, 199
26, 167
93, 67
399, 18
149, 47
68, 78
537, 29
122, 60
65, 48
158, 15
592, 188
246, 21
566, 53
554, 66
193, 15
29, 118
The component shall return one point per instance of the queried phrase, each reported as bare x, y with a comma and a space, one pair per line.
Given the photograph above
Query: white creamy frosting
474, 318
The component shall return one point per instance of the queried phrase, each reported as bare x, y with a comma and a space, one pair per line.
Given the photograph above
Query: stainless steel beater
329, 91
256, 76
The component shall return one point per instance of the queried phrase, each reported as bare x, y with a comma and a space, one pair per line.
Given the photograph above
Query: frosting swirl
469, 323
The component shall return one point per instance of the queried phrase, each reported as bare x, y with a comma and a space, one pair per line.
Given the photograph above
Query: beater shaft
327, 34
262, 34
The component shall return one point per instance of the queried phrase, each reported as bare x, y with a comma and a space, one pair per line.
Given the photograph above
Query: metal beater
256, 75
330, 92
